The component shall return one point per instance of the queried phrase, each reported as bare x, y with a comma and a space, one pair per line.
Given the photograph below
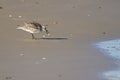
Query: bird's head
44, 29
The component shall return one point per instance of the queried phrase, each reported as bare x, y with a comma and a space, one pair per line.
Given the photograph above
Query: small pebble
104, 33
36, 2
46, 25
10, 15
99, 7
73, 6
9, 77
54, 22
19, 16
43, 36
18, 25
1, 7
59, 75
89, 15
44, 58
21, 54
71, 35
23, 0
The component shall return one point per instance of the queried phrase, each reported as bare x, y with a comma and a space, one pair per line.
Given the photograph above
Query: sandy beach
69, 54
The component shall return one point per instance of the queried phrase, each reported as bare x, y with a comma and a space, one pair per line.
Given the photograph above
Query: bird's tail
19, 28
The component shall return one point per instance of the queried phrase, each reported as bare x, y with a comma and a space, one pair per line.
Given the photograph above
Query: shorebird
34, 27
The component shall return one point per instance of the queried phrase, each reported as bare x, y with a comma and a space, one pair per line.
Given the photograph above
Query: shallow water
111, 48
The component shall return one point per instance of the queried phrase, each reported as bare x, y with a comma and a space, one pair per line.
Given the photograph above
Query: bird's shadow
52, 38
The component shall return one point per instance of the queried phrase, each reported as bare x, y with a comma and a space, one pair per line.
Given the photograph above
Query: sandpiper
34, 27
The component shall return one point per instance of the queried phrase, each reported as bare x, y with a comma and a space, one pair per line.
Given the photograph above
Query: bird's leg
33, 37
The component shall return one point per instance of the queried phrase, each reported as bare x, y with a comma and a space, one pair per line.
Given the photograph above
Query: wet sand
69, 53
